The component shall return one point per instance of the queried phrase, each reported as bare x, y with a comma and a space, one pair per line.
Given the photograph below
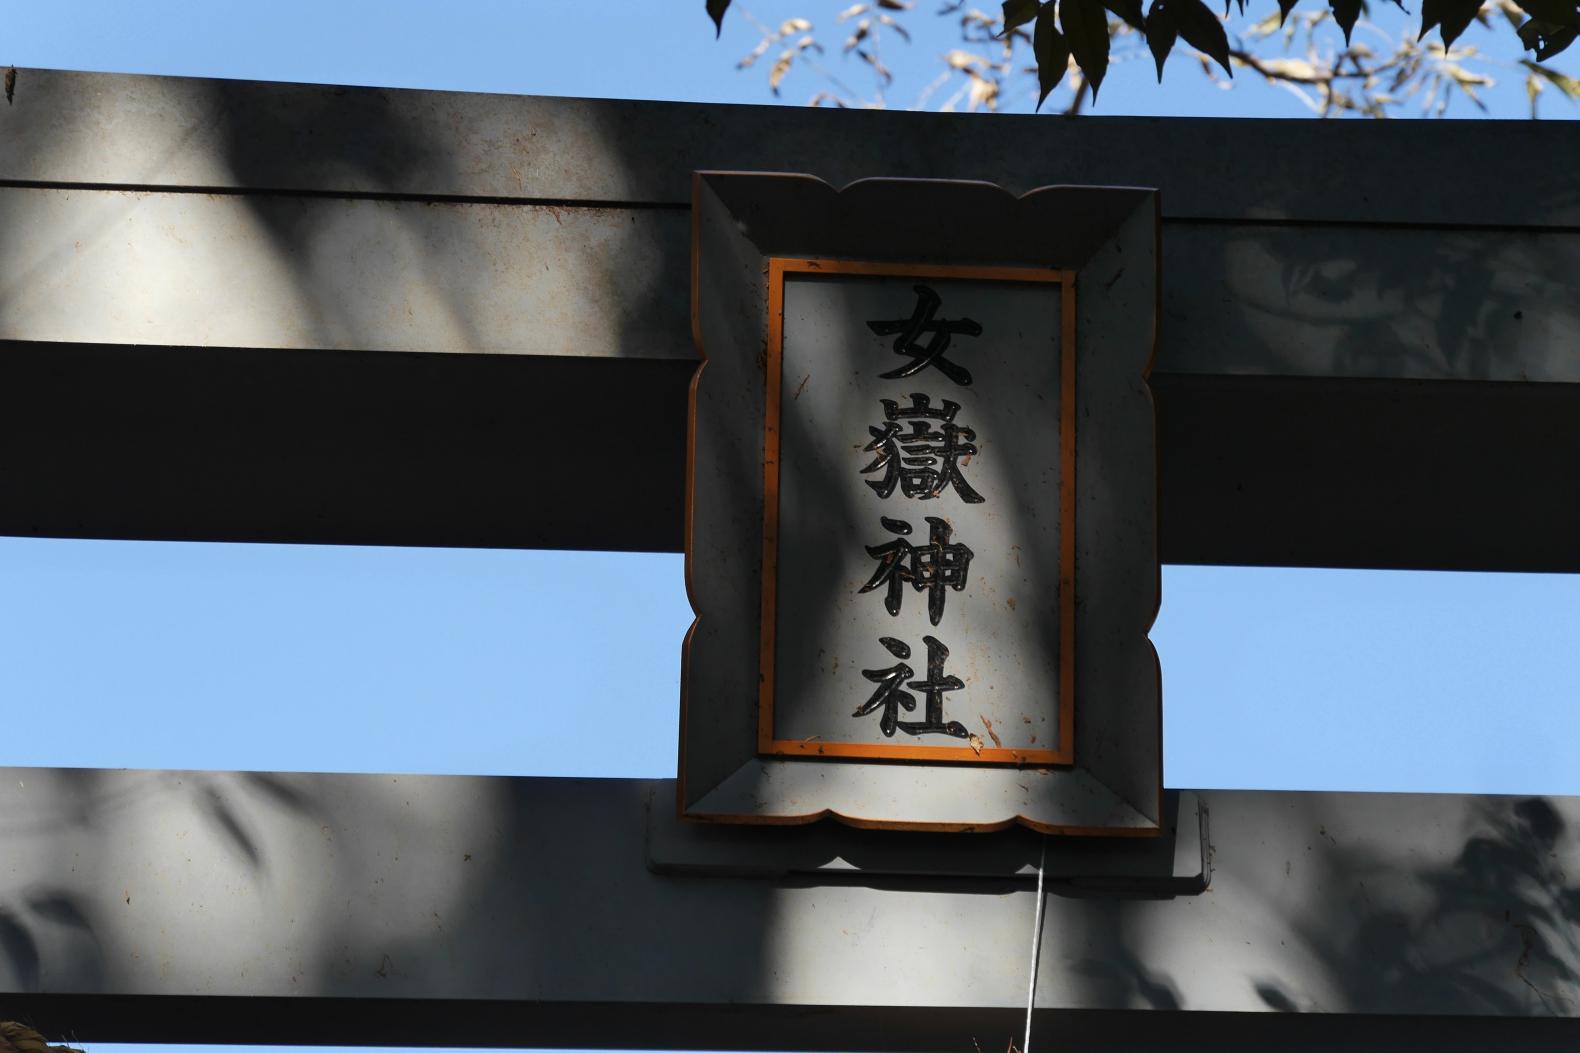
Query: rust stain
801, 387
1010, 602
1529, 941
997, 742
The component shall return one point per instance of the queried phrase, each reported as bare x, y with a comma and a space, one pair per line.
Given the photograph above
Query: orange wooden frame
767, 744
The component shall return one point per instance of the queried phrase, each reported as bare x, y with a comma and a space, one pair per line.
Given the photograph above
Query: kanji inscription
930, 568
918, 510
924, 462
889, 699
938, 331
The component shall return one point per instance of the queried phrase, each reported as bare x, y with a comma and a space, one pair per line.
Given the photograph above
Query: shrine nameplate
921, 490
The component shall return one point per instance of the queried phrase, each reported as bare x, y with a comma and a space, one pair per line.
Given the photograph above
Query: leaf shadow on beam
1494, 932
1337, 301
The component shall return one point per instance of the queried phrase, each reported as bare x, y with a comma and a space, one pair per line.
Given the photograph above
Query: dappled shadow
86, 828
1117, 973
314, 239
538, 892
545, 880
1371, 302
1493, 932
395, 247
310, 217
57, 919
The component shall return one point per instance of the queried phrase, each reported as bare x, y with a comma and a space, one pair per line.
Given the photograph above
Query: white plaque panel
917, 575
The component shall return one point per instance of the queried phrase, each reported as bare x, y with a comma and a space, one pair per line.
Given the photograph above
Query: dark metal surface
1439, 475
631, 1025
341, 447
514, 452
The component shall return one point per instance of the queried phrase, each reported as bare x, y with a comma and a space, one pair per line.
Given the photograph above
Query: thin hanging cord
1036, 946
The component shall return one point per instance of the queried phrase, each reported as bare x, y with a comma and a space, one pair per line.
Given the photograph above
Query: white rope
1036, 947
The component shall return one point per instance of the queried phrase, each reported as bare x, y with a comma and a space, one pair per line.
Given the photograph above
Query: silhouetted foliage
1073, 42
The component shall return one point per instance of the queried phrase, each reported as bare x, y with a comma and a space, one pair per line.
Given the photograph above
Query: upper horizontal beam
267, 270
1301, 415
133, 131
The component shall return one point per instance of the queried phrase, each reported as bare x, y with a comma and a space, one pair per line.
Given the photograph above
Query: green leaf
1202, 30
716, 9
1085, 26
1451, 17
1129, 12
1052, 52
1345, 13
1556, 12
1017, 13
1161, 32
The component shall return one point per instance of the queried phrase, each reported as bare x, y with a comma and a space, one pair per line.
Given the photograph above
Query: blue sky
473, 661
121, 654
623, 49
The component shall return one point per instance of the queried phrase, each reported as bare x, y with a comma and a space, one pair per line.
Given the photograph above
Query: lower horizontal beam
581, 453
253, 907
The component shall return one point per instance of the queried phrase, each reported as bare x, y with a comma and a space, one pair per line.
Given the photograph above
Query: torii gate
1369, 359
